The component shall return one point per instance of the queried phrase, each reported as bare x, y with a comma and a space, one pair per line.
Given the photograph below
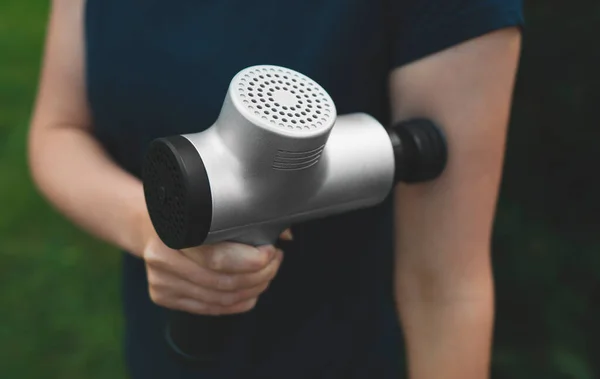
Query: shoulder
422, 27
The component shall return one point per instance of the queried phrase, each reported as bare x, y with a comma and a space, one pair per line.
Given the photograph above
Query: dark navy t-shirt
157, 68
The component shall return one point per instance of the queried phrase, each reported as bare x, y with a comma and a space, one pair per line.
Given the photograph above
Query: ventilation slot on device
297, 160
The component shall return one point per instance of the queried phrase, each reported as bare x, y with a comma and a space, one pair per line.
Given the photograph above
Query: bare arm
443, 280
68, 165
76, 175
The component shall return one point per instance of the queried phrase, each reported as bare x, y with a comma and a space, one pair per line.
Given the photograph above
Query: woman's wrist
137, 228
143, 231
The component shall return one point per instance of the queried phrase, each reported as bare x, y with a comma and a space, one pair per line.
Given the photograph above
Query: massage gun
278, 154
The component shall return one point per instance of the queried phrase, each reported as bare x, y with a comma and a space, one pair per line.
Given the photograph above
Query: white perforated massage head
278, 97
276, 117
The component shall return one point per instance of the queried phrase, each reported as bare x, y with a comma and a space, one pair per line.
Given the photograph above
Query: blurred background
59, 289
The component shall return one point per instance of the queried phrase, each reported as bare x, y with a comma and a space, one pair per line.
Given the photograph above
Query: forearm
447, 323
68, 165
74, 173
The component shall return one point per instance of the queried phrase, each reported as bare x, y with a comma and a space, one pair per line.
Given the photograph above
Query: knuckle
152, 257
155, 284
216, 262
157, 296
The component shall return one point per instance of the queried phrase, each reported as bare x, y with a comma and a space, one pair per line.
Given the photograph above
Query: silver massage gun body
278, 154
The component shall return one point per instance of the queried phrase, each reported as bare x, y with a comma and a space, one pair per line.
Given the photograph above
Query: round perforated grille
285, 98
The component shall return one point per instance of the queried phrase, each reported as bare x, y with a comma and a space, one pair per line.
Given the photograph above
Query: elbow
40, 146
32, 153
36, 144
444, 283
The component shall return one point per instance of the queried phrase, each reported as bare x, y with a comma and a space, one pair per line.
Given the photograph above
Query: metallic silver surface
265, 175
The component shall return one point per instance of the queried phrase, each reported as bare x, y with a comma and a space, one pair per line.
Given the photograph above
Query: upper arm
444, 226
61, 97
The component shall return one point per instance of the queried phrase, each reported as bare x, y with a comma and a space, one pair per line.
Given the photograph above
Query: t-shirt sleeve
424, 27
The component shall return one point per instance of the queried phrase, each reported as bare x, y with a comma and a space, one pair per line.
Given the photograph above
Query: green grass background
59, 289
59, 300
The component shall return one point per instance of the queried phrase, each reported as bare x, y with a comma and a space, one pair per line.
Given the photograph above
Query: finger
164, 285
172, 261
196, 307
286, 235
232, 258
236, 282
161, 259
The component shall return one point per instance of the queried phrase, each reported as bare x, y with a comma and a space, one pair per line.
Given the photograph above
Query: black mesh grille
166, 193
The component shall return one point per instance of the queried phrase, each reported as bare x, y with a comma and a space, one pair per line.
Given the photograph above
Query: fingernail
288, 234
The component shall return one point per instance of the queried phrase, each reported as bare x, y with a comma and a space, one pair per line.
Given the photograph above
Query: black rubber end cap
177, 192
420, 150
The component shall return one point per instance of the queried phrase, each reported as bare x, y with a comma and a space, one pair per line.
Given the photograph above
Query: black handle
200, 340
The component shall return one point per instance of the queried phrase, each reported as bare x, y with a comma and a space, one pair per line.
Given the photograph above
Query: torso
157, 68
